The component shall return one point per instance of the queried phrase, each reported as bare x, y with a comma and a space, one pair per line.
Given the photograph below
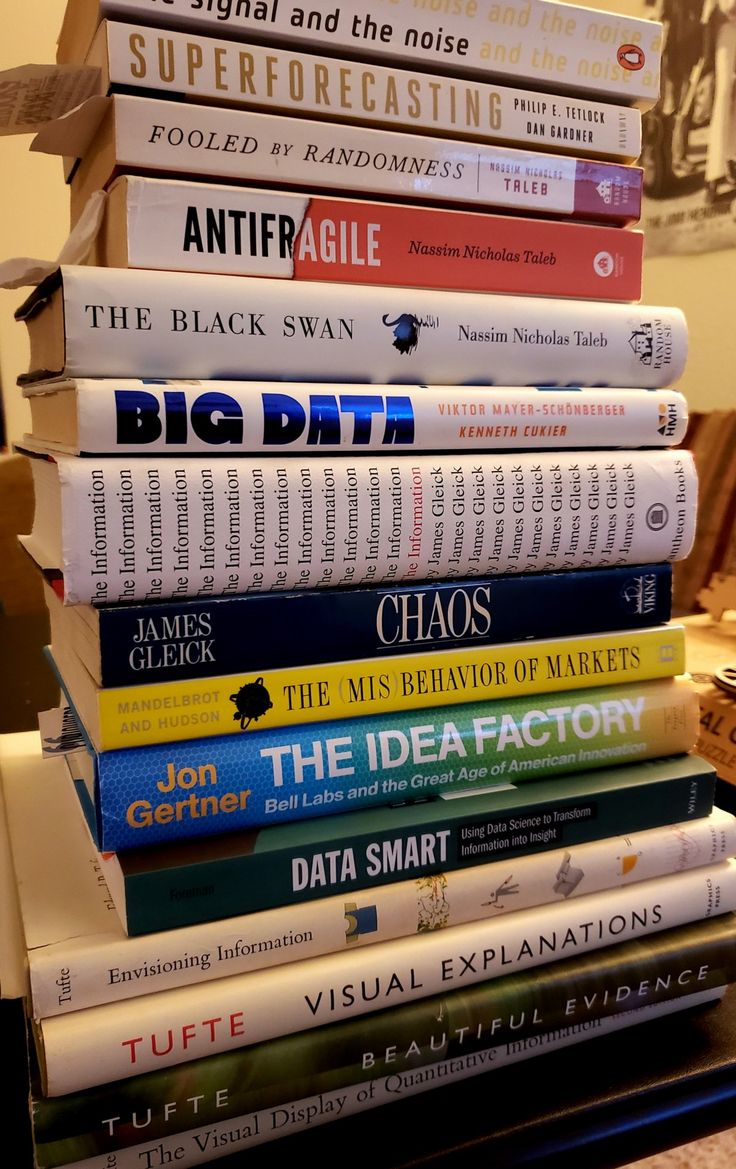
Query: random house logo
406, 329
640, 594
642, 342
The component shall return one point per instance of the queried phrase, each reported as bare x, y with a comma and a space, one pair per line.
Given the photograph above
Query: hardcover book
215, 142
287, 80
79, 956
186, 882
168, 641
116, 322
232, 705
244, 525
203, 786
117, 1040
541, 42
172, 224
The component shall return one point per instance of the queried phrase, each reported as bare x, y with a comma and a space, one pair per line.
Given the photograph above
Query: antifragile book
535, 43
286, 79
207, 227
218, 142
116, 322
154, 529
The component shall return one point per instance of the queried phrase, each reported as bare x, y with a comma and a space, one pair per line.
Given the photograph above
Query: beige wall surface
33, 222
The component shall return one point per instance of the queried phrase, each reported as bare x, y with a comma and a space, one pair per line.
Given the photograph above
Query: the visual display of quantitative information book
116, 1040
120, 644
157, 529
172, 224
79, 955
566, 47
129, 416
285, 79
242, 872
216, 142
203, 786
232, 705
116, 322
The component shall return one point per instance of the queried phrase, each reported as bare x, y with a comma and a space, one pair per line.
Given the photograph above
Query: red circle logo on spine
630, 57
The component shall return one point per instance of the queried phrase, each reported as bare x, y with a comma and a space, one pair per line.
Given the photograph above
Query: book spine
122, 322
242, 525
371, 622
286, 80
451, 1057
117, 1040
87, 971
542, 43
224, 705
145, 795
196, 227
255, 418
216, 142
339, 855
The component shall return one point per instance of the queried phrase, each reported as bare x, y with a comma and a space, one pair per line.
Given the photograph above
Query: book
163, 137
145, 529
117, 322
98, 416
568, 47
287, 80
116, 1040
202, 786
95, 1123
185, 226
186, 882
77, 954
227, 705
171, 640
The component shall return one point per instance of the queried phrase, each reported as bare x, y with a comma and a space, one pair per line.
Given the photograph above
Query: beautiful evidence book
86, 321
192, 881
119, 644
116, 1040
203, 786
78, 954
254, 525
567, 47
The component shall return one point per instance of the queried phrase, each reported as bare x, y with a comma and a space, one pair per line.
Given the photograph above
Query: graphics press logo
642, 342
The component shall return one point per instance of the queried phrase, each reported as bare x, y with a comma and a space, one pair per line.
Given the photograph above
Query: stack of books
357, 498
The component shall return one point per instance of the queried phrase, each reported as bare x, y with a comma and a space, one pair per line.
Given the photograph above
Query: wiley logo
642, 342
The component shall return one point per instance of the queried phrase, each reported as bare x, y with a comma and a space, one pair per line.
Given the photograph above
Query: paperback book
116, 322
78, 955
120, 644
185, 226
153, 529
203, 786
187, 882
542, 42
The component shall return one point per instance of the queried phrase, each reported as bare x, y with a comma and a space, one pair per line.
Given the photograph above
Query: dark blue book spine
202, 638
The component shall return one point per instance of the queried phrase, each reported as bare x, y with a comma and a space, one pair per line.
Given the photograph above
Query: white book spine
164, 528
129, 323
218, 417
281, 78
119, 1040
89, 969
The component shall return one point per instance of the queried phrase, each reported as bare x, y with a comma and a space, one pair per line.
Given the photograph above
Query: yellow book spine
133, 716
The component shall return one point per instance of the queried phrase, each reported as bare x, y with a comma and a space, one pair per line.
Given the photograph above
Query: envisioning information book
167, 641
148, 529
538, 43
116, 1040
131, 416
232, 705
79, 955
206, 227
116, 322
285, 79
217, 142
214, 877
202, 786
